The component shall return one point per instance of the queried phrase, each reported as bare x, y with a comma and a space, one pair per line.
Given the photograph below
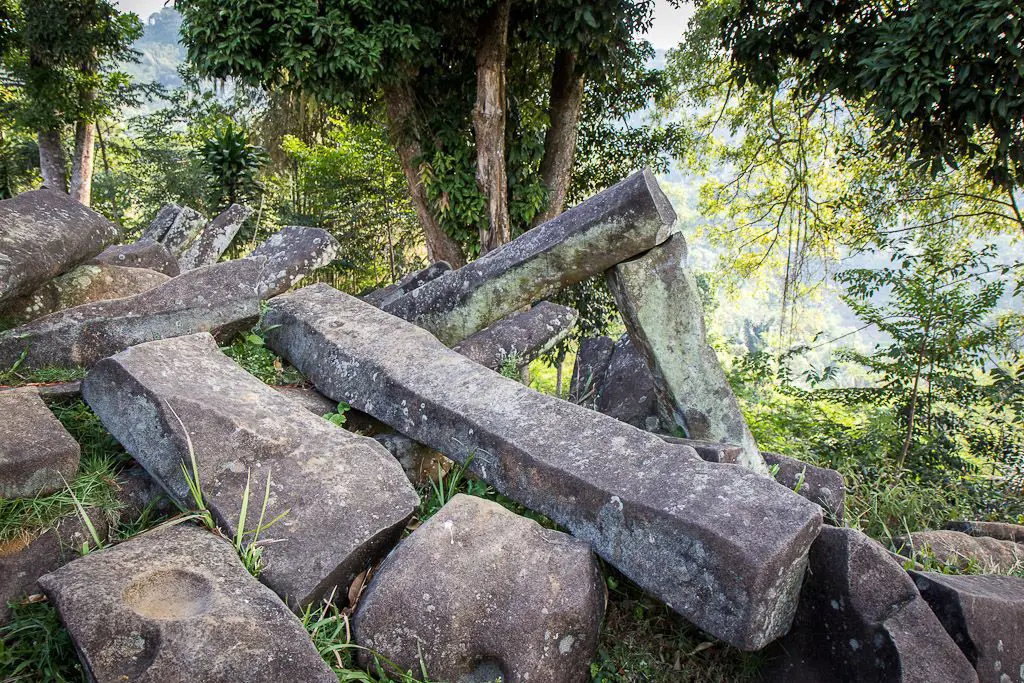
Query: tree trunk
913, 400
489, 124
81, 166
565, 104
52, 163
440, 246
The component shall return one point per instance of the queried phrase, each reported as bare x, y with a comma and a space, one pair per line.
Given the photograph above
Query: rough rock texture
1002, 531
35, 449
43, 234
420, 462
723, 546
960, 550
83, 285
627, 390
54, 393
985, 616
214, 239
820, 485
658, 298
385, 295
347, 498
218, 298
621, 222
524, 335
592, 360
293, 253
175, 227
712, 451
478, 589
146, 253
175, 604
311, 399
861, 619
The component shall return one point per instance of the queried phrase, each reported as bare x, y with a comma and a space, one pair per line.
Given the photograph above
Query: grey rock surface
175, 227
214, 239
385, 295
292, 253
592, 360
657, 295
37, 455
618, 223
962, 551
176, 605
477, 587
723, 546
862, 619
1003, 531
311, 399
420, 462
221, 299
524, 335
820, 485
984, 614
347, 498
82, 285
627, 391
44, 233
55, 392
146, 253
712, 451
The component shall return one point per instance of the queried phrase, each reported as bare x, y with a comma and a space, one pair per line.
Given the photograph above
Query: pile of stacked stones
477, 592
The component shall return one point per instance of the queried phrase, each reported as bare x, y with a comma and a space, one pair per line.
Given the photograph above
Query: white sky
669, 23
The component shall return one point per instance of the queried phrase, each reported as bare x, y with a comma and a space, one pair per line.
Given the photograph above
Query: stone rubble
214, 239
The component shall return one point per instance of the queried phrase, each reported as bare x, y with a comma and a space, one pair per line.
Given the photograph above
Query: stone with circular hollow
169, 594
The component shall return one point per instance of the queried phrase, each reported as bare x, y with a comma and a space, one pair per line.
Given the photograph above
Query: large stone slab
175, 227
214, 239
37, 455
176, 605
1003, 531
616, 224
385, 295
478, 593
218, 298
962, 551
292, 253
862, 619
723, 546
984, 615
523, 336
44, 233
85, 284
346, 496
592, 360
658, 298
146, 253
820, 485
626, 391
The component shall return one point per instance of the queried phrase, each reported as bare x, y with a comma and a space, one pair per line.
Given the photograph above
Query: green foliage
232, 164
338, 417
250, 351
34, 646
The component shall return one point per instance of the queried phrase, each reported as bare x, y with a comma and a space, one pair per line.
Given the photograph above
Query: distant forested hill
161, 51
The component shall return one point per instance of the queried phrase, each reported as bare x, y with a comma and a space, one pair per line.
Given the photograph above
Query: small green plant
250, 351
98, 543
338, 417
510, 364
34, 646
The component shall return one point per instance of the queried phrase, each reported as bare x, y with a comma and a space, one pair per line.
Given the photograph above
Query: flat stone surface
861, 619
626, 391
592, 360
55, 392
44, 233
346, 496
176, 605
524, 335
311, 399
218, 298
214, 239
820, 485
618, 223
175, 227
385, 295
83, 285
961, 551
146, 253
985, 616
35, 449
658, 298
421, 463
712, 451
1003, 531
723, 546
292, 253
478, 588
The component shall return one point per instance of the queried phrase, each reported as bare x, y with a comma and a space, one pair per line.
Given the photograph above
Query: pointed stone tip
662, 204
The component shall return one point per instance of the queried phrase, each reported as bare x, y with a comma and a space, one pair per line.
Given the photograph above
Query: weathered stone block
218, 298
292, 253
44, 233
621, 222
712, 451
175, 227
176, 605
145, 253
861, 619
37, 455
347, 499
420, 462
960, 550
385, 295
477, 591
984, 615
820, 485
723, 546
524, 335
214, 239
659, 301
1002, 531
592, 361
627, 391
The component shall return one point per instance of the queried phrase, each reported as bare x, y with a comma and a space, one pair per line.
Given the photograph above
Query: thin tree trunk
913, 401
489, 124
106, 171
81, 166
52, 162
440, 246
565, 104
